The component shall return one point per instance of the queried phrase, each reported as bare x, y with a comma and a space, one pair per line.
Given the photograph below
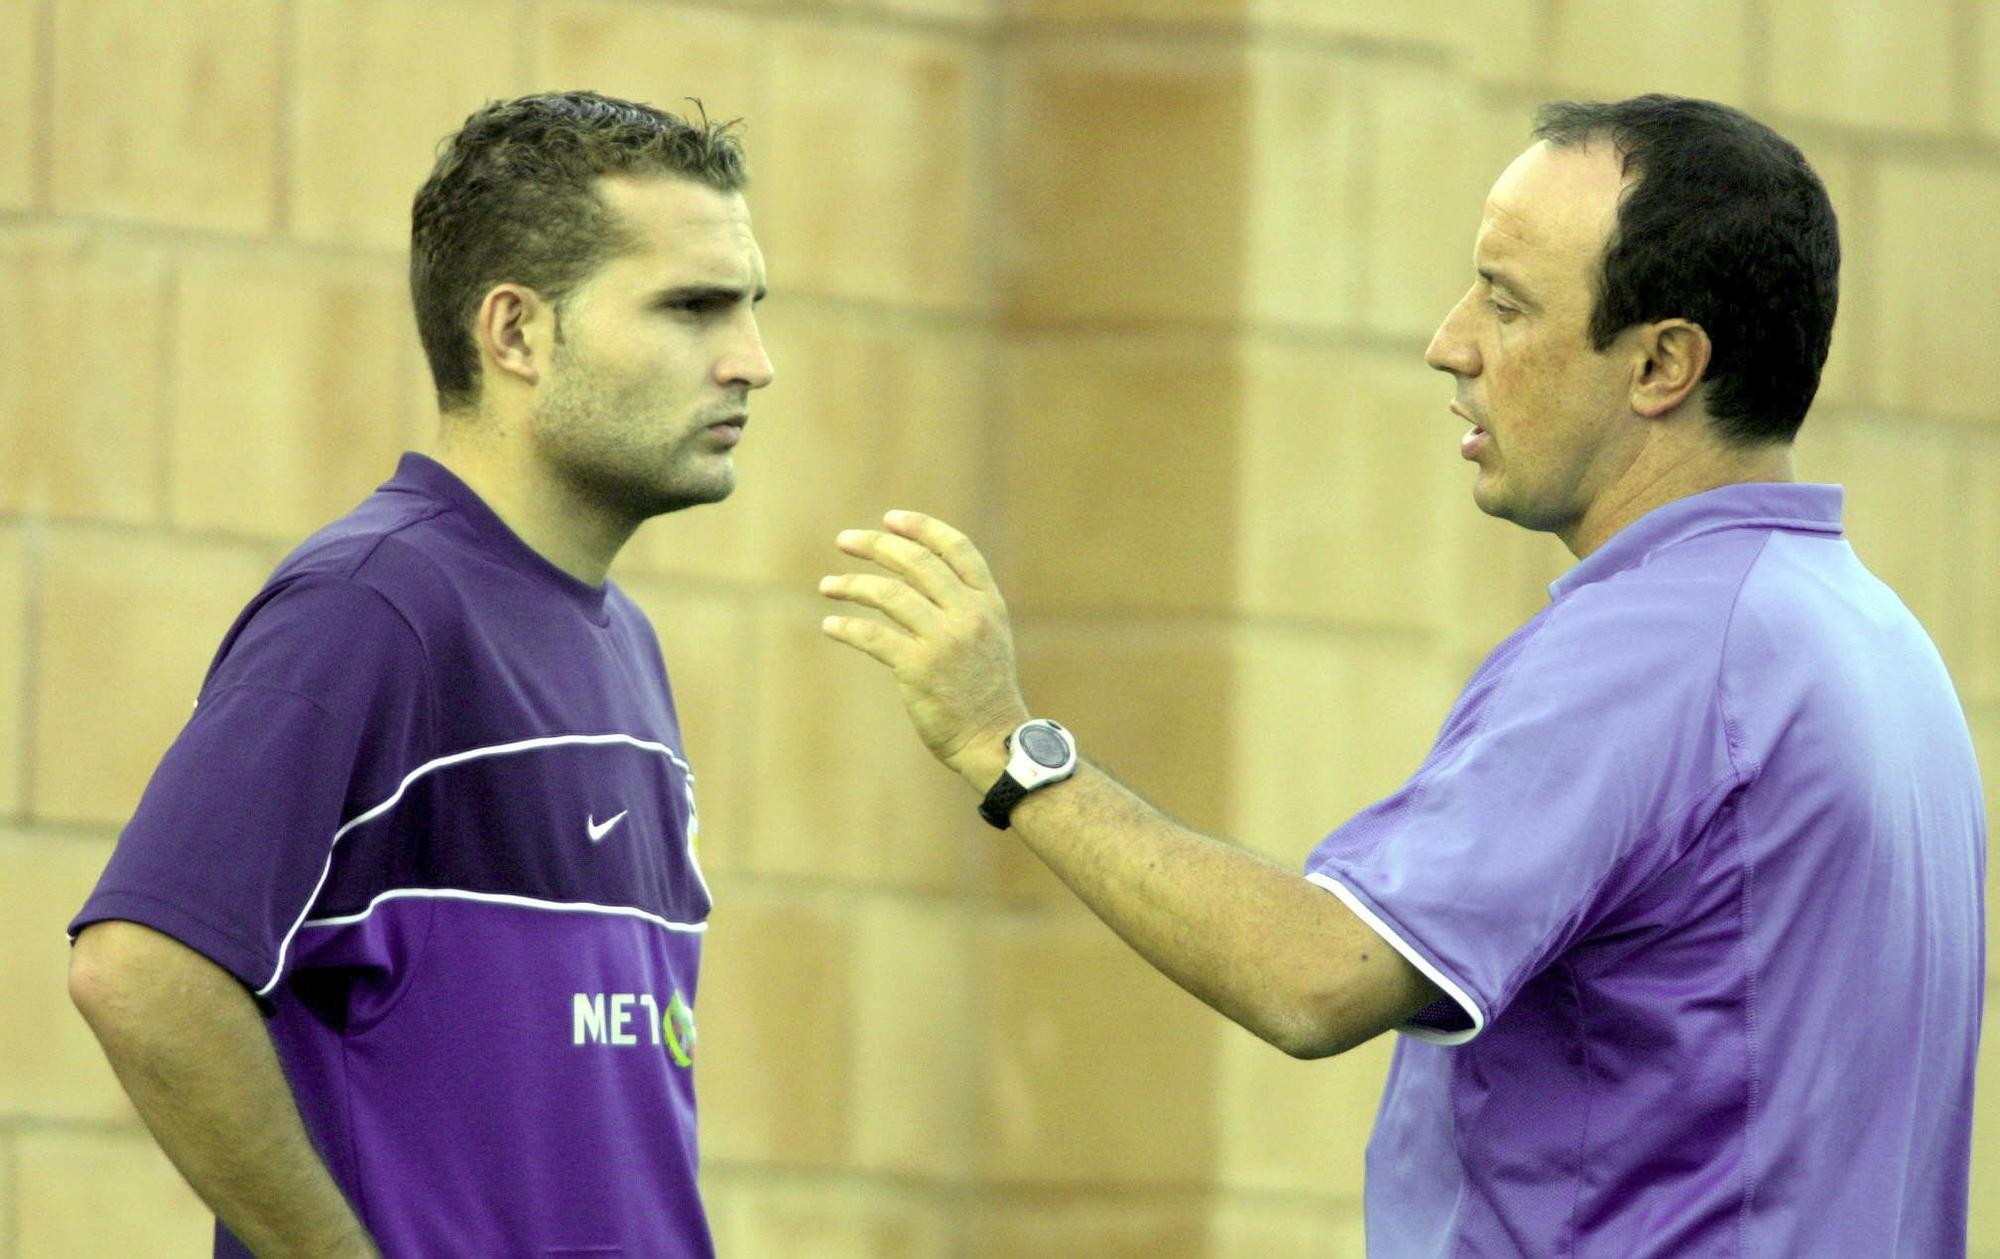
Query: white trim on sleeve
1418, 960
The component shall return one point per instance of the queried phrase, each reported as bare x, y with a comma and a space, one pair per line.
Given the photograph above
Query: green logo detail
678, 1025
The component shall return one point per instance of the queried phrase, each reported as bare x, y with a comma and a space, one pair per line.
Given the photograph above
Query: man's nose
1451, 348
748, 363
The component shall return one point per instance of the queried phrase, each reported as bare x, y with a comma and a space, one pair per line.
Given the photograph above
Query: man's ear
515, 330
1675, 356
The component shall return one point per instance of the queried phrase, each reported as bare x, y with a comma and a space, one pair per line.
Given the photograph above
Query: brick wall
1136, 290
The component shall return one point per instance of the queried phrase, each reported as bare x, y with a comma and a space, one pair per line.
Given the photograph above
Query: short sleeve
316, 704
1569, 774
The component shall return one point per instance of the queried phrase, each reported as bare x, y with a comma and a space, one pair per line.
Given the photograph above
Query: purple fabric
1698, 856
432, 807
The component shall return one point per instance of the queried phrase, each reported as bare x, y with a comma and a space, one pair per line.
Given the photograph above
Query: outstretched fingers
866, 635
926, 572
945, 542
886, 595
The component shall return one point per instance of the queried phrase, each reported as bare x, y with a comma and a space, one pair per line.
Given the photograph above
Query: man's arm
1281, 956
1284, 958
190, 1048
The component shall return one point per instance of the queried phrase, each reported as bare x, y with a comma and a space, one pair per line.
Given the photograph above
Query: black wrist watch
1040, 752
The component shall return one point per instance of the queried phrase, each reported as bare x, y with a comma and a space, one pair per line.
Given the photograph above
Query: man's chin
1487, 496
1495, 502
683, 496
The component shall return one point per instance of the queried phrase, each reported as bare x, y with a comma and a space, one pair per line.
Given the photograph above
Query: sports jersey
1697, 860
432, 808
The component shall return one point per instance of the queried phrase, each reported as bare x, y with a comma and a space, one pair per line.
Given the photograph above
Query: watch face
1044, 746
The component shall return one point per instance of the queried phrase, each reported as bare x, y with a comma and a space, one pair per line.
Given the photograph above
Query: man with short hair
1682, 911
400, 947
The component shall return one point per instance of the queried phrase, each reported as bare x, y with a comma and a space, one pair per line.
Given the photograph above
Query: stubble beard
592, 436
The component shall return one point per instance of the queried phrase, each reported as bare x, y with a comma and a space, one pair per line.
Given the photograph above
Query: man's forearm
191, 1049
1278, 955
1274, 953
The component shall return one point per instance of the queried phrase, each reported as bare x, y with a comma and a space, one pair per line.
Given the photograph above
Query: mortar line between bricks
285, 118
166, 408
34, 545
869, 20
1757, 57
995, 213
527, 50
1162, 1192
1965, 87
21, 1125
42, 179
10, 1210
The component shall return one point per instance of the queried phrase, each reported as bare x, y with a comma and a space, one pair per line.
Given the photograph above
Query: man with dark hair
1728, 228
400, 947
1682, 912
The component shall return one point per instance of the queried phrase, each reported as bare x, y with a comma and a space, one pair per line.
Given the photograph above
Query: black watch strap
998, 806
1046, 755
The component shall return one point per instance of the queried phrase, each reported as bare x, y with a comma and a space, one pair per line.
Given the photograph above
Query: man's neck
1663, 473
563, 527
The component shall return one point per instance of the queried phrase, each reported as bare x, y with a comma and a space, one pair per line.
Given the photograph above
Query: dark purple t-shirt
433, 809
1697, 860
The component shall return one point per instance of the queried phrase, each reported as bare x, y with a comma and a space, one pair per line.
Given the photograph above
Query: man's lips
729, 429
1475, 440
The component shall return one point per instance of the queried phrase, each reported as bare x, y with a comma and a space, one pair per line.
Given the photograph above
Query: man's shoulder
627, 611
396, 546
1645, 647
1671, 611
384, 530
377, 575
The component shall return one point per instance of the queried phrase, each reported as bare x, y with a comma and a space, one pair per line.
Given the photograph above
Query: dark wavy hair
1727, 226
513, 199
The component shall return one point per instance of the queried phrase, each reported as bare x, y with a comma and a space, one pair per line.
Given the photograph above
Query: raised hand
946, 639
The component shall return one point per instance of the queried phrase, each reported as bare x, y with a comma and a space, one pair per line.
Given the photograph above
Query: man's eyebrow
1503, 280
709, 293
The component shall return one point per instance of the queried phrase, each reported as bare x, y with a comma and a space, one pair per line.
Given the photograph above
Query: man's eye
1502, 309
695, 305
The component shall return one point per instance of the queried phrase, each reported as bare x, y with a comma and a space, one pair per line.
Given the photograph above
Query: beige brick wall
1134, 289
92, 389
166, 123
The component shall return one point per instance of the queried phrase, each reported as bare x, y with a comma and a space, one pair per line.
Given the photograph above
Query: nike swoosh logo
598, 830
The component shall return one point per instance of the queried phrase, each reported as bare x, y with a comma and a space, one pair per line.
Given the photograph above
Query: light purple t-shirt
432, 808
1698, 860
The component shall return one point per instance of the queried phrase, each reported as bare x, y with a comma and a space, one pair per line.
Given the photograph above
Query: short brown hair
512, 199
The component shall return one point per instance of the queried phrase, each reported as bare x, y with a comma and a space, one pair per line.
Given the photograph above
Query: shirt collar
1747, 505
426, 476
